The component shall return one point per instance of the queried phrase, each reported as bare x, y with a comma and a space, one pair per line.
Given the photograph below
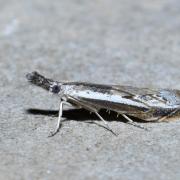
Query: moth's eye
55, 89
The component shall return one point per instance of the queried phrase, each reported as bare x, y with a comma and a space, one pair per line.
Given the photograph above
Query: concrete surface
121, 41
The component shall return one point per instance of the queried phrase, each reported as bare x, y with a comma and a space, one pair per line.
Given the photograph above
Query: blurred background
118, 42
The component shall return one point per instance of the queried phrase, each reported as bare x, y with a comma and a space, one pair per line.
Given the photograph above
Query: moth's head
55, 88
48, 84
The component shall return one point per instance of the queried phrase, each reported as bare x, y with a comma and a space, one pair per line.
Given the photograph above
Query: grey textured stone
119, 42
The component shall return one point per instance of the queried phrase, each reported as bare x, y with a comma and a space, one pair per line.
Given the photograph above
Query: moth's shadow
80, 114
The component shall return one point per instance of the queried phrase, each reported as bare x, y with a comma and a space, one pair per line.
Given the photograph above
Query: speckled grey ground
124, 42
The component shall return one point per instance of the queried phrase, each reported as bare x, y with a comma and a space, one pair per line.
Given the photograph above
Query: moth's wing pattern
149, 97
147, 104
120, 108
129, 90
160, 103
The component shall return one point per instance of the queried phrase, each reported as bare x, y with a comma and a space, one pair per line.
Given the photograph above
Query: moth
142, 103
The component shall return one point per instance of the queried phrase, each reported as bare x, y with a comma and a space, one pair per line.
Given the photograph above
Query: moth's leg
59, 118
130, 121
104, 121
92, 109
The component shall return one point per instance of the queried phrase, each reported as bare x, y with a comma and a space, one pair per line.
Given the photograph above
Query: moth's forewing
143, 103
108, 97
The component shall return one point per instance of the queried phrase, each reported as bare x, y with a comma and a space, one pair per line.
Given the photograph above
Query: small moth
143, 103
